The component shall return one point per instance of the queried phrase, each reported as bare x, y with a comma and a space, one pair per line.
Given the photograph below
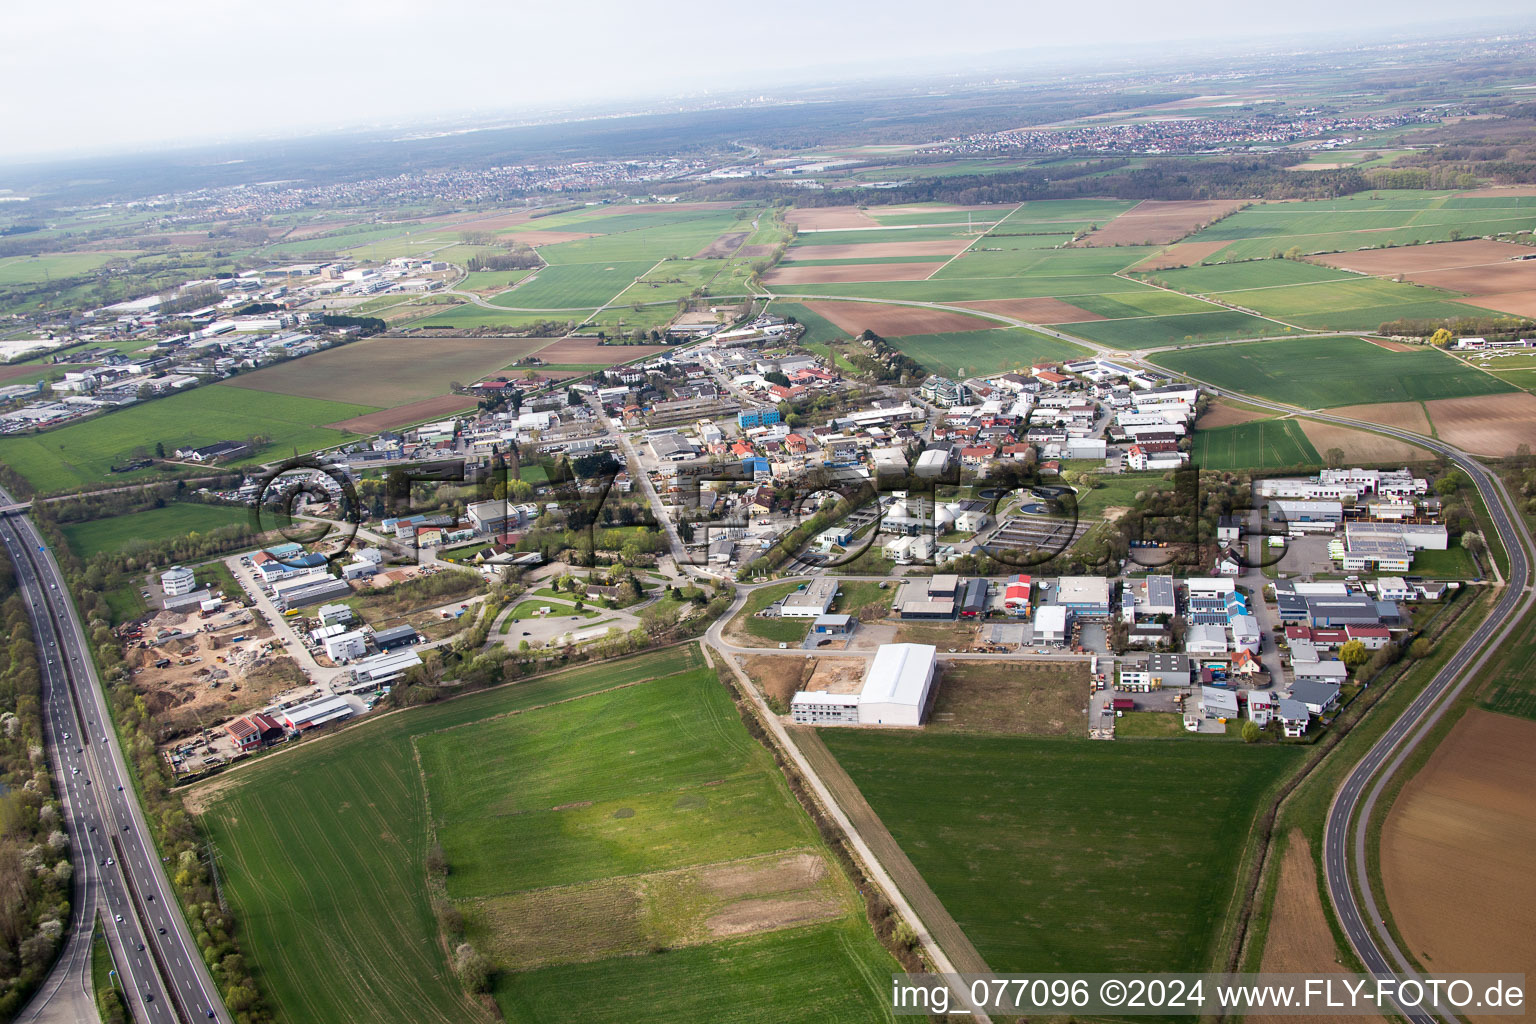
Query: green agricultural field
1144, 302
826, 973
1510, 686
1004, 256
1071, 855
677, 234
1364, 220
82, 454
984, 352
1232, 277
468, 315
818, 329
486, 280
1265, 444
671, 751
673, 280
1317, 373
1360, 304
52, 267
339, 830
351, 239
1523, 379
573, 287
1152, 331
125, 531
645, 781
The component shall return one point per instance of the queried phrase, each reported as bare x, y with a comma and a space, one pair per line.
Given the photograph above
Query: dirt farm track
1458, 850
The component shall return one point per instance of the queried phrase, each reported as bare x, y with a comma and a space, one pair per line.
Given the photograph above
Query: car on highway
118, 918
160, 930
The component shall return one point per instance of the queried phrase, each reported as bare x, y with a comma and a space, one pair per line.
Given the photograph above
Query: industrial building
395, 636
312, 714
895, 691
1086, 596
832, 625
1052, 622
1016, 595
311, 587
178, 580
813, 601
386, 667
346, 646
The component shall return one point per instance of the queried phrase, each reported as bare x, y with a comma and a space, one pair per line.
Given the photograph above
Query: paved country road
1345, 834
118, 871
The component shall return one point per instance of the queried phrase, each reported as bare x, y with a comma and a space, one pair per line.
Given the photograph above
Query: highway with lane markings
118, 869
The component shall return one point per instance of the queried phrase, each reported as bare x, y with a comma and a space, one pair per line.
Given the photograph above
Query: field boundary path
873, 865
946, 931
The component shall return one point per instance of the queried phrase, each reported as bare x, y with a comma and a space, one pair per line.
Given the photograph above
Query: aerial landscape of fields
628, 529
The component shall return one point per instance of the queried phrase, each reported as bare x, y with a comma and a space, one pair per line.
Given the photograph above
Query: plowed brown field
1361, 446
1158, 222
830, 218
895, 321
400, 415
1035, 311
1185, 254
1220, 414
1486, 424
1299, 940
1489, 274
1458, 850
1403, 415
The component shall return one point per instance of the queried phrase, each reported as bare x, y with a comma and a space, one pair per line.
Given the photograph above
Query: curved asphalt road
1344, 839
116, 861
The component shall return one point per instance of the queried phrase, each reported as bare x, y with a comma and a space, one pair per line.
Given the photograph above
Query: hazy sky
93, 75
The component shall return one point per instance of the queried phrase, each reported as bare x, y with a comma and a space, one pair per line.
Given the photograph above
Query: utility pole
213, 866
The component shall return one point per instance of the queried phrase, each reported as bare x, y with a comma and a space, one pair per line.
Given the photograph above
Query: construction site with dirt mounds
195, 671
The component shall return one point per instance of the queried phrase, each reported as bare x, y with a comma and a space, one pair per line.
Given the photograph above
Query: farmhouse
213, 452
